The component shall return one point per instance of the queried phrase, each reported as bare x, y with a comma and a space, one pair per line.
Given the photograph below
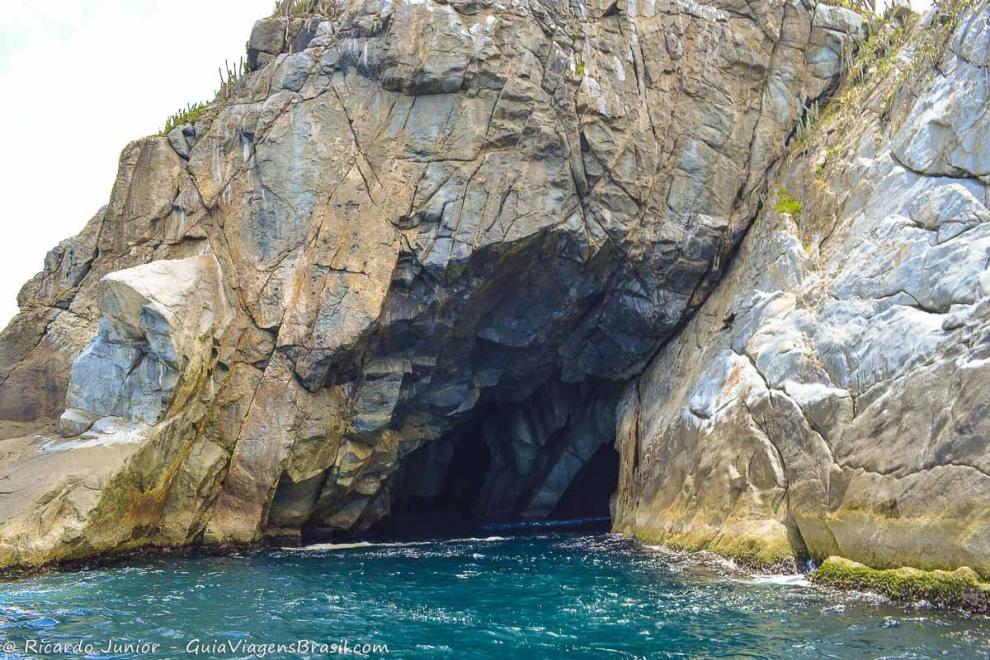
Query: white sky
80, 79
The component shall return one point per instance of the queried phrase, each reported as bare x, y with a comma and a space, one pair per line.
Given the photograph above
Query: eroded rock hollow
407, 270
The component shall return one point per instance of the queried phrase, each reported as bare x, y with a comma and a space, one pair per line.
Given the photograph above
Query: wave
706, 558
699, 557
788, 579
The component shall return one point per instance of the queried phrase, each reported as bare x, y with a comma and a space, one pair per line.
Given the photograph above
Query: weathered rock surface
155, 341
409, 218
830, 397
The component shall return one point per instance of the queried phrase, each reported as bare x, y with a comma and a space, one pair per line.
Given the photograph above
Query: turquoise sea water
538, 596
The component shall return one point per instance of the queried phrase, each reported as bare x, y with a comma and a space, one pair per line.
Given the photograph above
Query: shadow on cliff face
549, 458
590, 493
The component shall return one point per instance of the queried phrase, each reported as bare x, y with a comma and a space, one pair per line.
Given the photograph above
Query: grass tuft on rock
786, 203
929, 46
895, 57
960, 588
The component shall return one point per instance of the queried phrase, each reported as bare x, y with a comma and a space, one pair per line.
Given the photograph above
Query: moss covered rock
959, 588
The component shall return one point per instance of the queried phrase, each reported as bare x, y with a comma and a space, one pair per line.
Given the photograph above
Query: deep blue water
546, 596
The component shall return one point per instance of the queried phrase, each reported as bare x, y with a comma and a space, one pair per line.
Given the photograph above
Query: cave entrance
437, 489
546, 461
589, 497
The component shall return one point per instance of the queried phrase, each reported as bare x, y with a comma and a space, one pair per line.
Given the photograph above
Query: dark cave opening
548, 461
589, 495
437, 489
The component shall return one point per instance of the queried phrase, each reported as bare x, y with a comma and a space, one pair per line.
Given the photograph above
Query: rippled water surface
592, 596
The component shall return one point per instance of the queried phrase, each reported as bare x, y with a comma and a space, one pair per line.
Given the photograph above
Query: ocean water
546, 595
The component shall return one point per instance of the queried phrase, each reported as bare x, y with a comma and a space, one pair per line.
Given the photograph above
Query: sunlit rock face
829, 397
157, 326
413, 213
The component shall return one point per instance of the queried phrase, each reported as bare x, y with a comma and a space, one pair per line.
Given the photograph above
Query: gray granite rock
823, 401
157, 326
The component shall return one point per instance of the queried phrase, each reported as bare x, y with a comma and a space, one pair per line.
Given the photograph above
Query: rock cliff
828, 398
417, 253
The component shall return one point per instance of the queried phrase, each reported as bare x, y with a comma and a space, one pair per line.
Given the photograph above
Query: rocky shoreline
960, 590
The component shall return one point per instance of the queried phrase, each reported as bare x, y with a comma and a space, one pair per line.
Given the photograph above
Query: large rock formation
416, 226
829, 398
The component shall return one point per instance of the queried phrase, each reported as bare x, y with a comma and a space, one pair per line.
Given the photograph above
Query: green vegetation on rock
959, 588
786, 203
203, 109
757, 547
880, 61
301, 8
191, 113
875, 59
862, 7
929, 45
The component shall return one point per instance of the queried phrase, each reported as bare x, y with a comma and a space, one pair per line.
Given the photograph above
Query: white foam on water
789, 580
704, 557
332, 546
696, 556
324, 547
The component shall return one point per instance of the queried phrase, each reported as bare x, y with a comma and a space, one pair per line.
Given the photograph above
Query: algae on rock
959, 588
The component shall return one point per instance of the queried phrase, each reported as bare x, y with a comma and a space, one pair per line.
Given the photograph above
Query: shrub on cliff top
932, 43
300, 8
187, 115
195, 111
879, 61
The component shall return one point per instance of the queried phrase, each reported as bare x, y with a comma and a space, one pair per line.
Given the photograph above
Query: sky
81, 79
